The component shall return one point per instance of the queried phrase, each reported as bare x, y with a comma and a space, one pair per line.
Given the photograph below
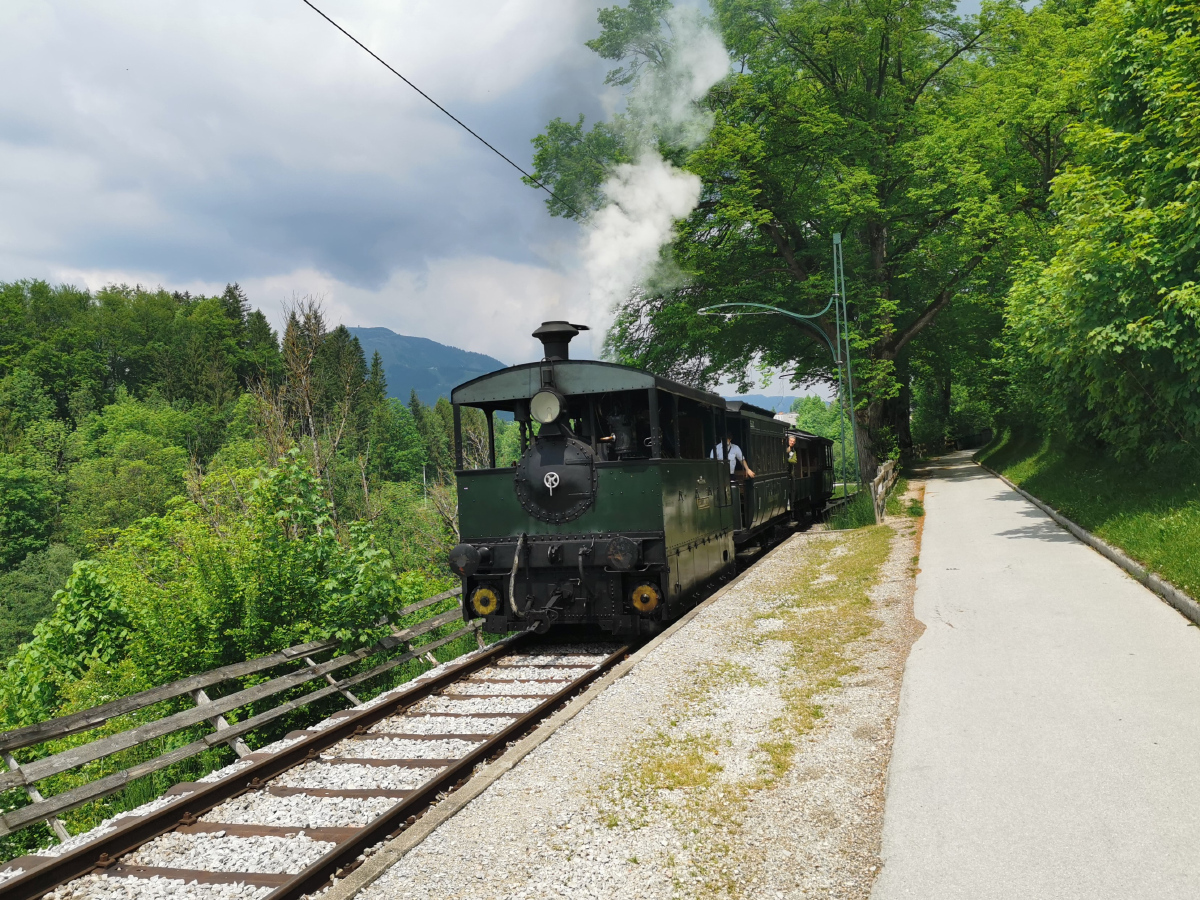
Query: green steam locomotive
628, 497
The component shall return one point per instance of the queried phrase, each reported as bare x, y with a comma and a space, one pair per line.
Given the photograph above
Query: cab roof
574, 377
738, 406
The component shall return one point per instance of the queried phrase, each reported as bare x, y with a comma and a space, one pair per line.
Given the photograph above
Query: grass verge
1152, 512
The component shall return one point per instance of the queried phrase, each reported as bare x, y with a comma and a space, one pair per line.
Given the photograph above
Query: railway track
281, 822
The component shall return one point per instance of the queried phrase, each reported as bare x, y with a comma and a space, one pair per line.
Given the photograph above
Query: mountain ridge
413, 363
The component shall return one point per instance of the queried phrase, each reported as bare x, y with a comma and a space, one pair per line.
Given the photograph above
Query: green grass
855, 513
1151, 511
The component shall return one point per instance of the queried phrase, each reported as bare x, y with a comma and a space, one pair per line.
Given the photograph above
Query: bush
27, 506
27, 594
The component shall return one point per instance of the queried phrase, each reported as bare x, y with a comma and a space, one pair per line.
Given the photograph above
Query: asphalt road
1048, 741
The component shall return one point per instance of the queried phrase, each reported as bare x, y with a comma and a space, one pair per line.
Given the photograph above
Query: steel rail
345, 854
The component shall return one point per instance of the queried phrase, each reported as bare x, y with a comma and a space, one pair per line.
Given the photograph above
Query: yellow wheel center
644, 598
484, 601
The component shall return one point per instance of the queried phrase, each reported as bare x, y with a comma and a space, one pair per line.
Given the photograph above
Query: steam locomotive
617, 513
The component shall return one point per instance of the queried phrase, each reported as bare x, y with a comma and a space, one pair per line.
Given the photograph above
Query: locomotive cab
613, 513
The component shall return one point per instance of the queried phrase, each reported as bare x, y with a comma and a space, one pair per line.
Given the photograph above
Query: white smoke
644, 199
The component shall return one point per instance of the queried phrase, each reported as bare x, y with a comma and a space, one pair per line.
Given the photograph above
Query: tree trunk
867, 424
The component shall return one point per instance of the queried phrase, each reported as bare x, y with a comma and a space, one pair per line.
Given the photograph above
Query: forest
181, 487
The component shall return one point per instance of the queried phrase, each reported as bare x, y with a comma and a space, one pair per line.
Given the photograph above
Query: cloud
478, 303
190, 145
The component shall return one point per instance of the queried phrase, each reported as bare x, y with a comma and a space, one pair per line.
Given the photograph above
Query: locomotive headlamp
485, 600
622, 553
546, 406
645, 597
464, 560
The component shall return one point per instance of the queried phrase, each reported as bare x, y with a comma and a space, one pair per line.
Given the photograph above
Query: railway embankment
744, 755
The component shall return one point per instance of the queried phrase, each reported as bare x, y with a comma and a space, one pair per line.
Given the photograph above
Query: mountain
413, 363
773, 403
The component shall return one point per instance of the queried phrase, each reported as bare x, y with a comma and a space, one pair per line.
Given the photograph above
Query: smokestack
556, 336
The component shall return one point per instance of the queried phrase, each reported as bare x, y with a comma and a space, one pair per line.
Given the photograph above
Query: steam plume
645, 198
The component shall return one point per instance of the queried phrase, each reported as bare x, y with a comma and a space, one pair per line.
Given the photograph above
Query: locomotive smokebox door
556, 478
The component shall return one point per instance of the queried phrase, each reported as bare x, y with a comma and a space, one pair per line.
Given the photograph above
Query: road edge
394, 850
1171, 595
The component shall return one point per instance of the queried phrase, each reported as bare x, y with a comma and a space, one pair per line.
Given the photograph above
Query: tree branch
930, 312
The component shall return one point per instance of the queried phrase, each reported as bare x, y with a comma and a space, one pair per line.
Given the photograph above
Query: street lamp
838, 303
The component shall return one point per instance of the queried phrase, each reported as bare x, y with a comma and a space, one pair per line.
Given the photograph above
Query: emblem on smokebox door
556, 478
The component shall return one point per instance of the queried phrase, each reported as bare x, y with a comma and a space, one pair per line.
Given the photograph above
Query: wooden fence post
220, 723
35, 795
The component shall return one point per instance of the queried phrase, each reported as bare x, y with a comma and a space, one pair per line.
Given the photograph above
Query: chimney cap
556, 335
558, 328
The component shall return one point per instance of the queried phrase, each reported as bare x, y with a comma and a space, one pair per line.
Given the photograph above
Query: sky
188, 145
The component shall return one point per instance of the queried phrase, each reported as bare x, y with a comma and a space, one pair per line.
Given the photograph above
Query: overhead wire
451, 115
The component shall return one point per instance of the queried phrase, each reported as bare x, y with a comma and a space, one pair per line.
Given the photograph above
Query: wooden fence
205, 711
881, 485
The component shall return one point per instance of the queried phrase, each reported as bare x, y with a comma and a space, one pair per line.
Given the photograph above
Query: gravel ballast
104, 887
352, 777
507, 688
419, 724
677, 782
528, 673
499, 705
298, 810
392, 748
217, 852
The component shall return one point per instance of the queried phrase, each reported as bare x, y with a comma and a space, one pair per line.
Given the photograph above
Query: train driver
727, 449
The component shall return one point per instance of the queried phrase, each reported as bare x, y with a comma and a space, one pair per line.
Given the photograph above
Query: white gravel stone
499, 705
523, 688
441, 725
559, 657
299, 810
104, 887
327, 723
351, 777
391, 748
281, 744
110, 825
530, 672
9, 874
218, 852
230, 769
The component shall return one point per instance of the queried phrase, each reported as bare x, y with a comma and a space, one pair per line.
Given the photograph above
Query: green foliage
130, 462
89, 625
27, 592
23, 402
232, 499
82, 347
410, 527
397, 447
26, 510
1152, 512
252, 565
1111, 324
